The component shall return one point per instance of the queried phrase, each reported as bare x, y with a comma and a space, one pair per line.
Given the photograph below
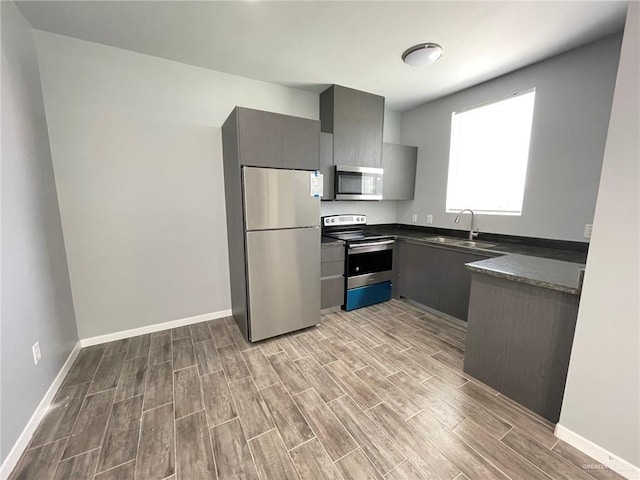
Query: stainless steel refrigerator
282, 251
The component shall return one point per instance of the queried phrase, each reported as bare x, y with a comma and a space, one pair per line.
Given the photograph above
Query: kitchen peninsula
520, 301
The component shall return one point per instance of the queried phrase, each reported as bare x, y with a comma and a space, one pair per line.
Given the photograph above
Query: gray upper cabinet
300, 142
356, 120
260, 138
267, 139
399, 163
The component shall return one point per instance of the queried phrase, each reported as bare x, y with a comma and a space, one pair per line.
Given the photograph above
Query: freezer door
283, 268
276, 198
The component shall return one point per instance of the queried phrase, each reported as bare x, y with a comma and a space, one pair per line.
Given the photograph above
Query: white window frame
451, 205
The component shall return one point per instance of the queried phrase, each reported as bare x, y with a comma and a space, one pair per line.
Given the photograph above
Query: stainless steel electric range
368, 260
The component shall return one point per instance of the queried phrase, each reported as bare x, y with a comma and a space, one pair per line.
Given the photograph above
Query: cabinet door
456, 282
358, 119
420, 268
370, 148
332, 292
346, 140
300, 143
332, 253
372, 121
260, 135
399, 163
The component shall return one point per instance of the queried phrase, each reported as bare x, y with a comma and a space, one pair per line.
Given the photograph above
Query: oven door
358, 183
369, 263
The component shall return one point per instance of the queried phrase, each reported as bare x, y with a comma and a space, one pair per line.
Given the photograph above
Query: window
489, 154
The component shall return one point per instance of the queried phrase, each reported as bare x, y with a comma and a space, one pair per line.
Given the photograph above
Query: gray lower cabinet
519, 340
399, 163
332, 276
436, 277
267, 139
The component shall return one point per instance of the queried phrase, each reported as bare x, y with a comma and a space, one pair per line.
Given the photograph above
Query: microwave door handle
371, 244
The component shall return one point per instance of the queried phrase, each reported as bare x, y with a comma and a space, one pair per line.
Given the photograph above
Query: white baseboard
615, 463
156, 327
23, 440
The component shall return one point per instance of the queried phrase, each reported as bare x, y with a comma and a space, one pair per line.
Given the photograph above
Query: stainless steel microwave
358, 183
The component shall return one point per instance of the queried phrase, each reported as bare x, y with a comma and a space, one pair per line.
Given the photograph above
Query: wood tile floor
371, 394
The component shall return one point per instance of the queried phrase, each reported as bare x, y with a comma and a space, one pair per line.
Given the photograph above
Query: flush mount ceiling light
422, 54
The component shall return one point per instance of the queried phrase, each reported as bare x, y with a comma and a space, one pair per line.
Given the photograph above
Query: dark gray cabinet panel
332, 292
519, 341
273, 140
260, 138
436, 277
419, 274
455, 282
235, 227
332, 276
397, 261
300, 143
356, 120
399, 163
332, 253
326, 165
332, 269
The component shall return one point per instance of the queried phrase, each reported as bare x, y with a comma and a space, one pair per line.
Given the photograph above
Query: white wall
602, 396
36, 295
573, 101
376, 212
137, 156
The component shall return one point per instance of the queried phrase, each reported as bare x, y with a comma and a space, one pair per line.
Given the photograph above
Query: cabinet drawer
332, 254
331, 269
332, 292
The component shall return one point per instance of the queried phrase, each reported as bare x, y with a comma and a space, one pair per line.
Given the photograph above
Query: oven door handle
371, 244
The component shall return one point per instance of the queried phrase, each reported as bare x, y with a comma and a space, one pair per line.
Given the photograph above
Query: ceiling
311, 44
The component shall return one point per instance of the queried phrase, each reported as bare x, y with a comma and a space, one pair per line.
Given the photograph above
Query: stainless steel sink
472, 244
456, 242
444, 240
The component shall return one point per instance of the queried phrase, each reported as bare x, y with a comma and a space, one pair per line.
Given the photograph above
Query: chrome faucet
472, 230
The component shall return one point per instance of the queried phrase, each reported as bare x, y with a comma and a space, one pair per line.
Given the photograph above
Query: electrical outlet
429, 219
587, 230
414, 217
36, 352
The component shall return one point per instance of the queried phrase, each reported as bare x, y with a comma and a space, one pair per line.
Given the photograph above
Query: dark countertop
551, 268
538, 271
331, 242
